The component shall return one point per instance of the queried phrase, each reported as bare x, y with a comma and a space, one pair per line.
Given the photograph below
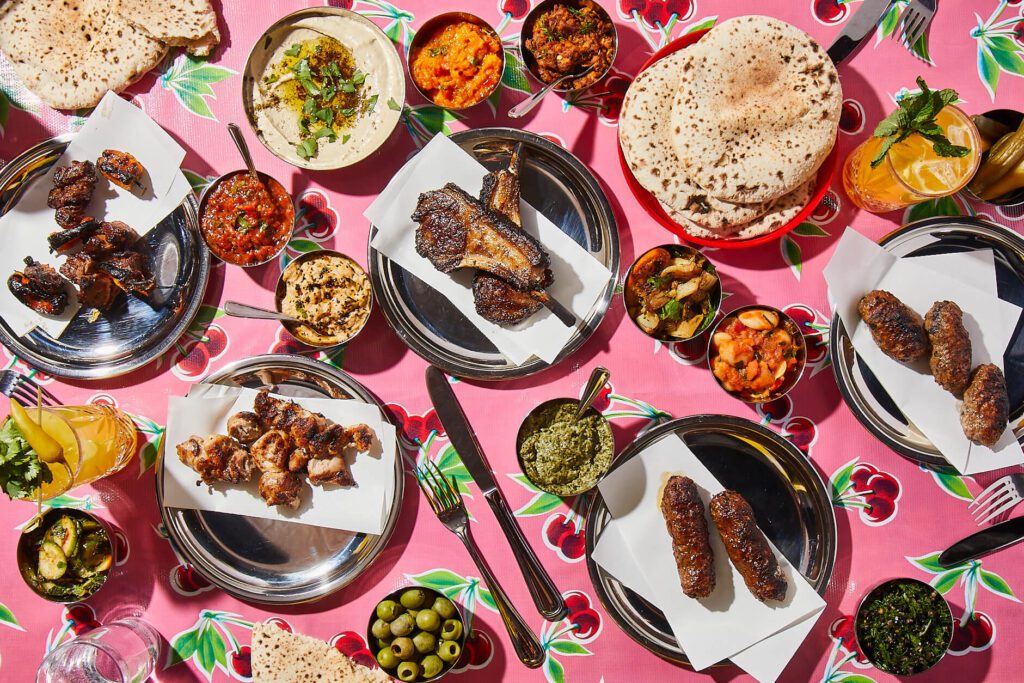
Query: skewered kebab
73, 186
684, 517
747, 546
39, 287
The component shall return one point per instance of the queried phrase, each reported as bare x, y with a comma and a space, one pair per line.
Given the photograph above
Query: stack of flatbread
279, 656
71, 53
728, 134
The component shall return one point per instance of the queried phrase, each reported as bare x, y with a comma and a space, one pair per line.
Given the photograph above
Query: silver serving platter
859, 387
264, 561
789, 497
134, 332
560, 187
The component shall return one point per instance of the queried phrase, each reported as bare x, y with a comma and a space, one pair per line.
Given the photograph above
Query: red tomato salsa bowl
653, 208
244, 222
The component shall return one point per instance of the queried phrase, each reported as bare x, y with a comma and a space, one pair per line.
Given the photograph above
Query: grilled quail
898, 331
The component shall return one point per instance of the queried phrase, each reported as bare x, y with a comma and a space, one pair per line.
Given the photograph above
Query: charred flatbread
279, 656
191, 24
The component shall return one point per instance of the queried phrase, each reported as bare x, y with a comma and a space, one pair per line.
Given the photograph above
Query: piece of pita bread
71, 53
191, 24
282, 657
783, 211
760, 112
644, 134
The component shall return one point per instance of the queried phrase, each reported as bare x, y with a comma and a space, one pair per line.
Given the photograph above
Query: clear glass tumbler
122, 651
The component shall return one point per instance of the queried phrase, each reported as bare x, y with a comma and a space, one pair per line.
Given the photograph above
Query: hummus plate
323, 88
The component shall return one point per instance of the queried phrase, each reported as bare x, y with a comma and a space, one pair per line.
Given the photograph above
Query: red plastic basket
653, 207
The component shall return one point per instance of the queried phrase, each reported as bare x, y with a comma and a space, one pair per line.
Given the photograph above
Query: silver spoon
530, 102
243, 149
240, 310
598, 378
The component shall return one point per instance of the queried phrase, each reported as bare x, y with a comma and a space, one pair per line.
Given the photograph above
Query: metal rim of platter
243, 555
559, 186
135, 333
861, 390
802, 526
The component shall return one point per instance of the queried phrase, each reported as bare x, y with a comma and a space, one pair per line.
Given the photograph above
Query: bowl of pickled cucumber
416, 634
65, 555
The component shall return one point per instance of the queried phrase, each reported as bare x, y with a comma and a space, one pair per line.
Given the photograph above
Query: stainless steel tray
264, 561
559, 186
789, 497
859, 387
134, 332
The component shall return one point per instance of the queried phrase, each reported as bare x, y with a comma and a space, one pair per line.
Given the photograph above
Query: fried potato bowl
757, 353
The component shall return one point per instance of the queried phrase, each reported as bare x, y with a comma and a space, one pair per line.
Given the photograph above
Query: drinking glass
912, 172
98, 441
122, 651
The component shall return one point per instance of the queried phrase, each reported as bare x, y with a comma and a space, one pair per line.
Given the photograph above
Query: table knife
996, 537
857, 29
545, 596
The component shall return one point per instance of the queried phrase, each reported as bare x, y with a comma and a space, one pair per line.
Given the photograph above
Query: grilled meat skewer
951, 346
986, 408
684, 516
122, 169
39, 287
73, 186
898, 330
747, 547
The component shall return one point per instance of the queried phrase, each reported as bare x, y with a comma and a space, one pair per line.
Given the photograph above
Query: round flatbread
644, 125
191, 24
760, 112
783, 211
71, 53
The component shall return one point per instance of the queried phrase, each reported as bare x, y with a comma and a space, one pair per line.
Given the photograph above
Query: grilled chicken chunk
747, 546
457, 231
74, 172
898, 331
684, 516
986, 407
121, 168
280, 488
270, 452
244, 427
39, 287
951, 346
217, 458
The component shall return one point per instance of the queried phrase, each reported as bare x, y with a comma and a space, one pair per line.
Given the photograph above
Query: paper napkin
859, 266
579, 277
113, 124
636, 548
362, 507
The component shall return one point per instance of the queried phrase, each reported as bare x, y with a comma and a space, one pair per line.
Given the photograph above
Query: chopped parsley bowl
904, 626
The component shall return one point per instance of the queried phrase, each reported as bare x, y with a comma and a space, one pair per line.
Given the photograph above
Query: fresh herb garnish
392, 105
916, 114
294, 50
371, 103
439, 51
243, 223
673, 310
21, 473
307, 148
308, 105
345, 138
305, 77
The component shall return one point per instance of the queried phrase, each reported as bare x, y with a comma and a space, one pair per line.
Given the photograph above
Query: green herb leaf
294, 50
308, 105
392, 105
242, 223
371, 103
438, 51
20, 470
306, 149
671, 311
345, 138
305, 77
325, 132
916, 114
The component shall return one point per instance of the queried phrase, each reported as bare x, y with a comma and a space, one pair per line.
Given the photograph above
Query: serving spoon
530, 102
243, 149
240, 310
598, 378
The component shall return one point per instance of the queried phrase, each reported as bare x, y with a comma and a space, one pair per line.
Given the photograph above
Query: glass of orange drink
912, 172
96, 440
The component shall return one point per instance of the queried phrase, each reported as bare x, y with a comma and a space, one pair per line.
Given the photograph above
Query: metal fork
915, 20
446, 502
999, 497
24, 389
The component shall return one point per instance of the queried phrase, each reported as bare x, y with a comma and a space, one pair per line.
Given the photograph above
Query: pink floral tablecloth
893, 516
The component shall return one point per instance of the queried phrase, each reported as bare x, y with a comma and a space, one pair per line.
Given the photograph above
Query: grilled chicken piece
684, 516
951, 346
110, 238
298, 460
217, 458
244, 427
986, 407
130, 271
457, 231
319, 436
39, 287
121, 168
747, 547
332, 470
95, 287
280, 488
270, 452
898, 331
63, 241
74, 172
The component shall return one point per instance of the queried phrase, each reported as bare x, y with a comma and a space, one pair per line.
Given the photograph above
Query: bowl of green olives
417, 634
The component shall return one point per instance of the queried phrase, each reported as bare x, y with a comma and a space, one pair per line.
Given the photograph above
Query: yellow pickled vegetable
1004, 156
42, 443
1010, 181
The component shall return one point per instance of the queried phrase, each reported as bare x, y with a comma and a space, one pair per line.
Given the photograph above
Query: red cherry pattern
806, 317
281, 624
81, 618
516, 9
829, 12
185, 580
1018, 32
415, 429
352, 645
851, 117
566, 537
477, 653
826, 211
777, 410
842, 628
974, 634
194, 363
241, 662
102, 399
802, 432
879, 490
315, 216
582, 615
603, 401
611, 91
689, 352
